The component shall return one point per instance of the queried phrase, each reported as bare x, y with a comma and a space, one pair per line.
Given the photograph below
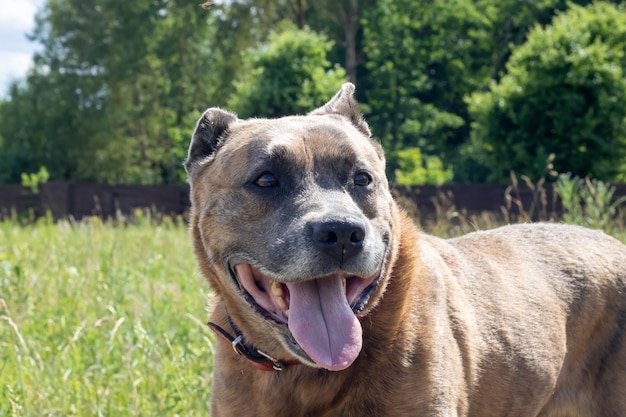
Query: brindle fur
524, 320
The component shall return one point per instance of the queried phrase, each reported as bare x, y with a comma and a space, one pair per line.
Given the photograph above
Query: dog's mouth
321, 314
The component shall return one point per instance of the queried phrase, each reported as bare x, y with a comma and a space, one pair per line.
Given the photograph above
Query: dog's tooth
277, 288
286, 313
345, 285
281, 303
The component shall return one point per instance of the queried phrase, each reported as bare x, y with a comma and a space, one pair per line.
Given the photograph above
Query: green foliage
511, 21
238, 26
34, 180
117, 86
564, 93
421, 63
38, 126
415, 169
288, 75
101, 320
113, 94
587, 202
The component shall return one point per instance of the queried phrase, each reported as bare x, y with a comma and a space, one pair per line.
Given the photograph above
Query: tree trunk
351, 27
297, 10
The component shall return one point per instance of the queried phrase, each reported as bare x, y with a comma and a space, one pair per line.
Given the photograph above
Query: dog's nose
339, 239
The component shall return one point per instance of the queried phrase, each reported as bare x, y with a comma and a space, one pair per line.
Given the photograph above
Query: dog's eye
362, 179
267, 179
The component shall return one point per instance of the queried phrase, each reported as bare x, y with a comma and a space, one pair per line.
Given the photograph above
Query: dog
331, 302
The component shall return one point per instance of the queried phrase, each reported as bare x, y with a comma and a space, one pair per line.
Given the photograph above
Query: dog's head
292, 225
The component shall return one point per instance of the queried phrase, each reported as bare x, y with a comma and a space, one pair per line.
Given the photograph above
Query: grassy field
97, 320
108, 319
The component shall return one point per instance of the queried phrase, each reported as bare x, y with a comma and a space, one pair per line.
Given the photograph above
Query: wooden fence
78, 200
63, 199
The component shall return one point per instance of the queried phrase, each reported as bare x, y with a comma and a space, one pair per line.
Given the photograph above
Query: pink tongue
323, 324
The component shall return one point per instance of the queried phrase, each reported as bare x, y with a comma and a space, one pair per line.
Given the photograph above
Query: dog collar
256, 357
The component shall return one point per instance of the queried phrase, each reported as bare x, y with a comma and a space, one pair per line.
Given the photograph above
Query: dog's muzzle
319, 315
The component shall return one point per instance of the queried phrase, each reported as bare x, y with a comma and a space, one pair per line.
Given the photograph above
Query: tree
421, 61
288, 75
511, 20
38, 126
113, 93
564, 93
118, 84
239, 26
341, 22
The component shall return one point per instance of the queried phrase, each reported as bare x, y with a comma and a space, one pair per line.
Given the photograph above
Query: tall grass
101, 320
104, 319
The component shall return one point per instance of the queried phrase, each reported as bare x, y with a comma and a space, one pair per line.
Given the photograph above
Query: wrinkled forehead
303, 138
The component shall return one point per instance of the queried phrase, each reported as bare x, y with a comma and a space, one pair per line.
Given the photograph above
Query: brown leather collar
256, 357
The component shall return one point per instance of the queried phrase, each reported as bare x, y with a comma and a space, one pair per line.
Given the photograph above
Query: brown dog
318, 274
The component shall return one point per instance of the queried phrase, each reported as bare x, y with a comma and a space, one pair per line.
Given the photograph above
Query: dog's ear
344, 104
210, 130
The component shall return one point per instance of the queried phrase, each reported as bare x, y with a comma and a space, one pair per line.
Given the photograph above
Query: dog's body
310, 259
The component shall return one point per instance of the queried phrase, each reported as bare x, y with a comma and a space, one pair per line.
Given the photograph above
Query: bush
289, 75
415, 169
564, 93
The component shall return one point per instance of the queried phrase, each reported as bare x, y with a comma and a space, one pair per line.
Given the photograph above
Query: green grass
107, 319
102, 320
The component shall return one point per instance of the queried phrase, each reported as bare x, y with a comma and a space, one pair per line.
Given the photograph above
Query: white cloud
17, 18
14, 66
17, 14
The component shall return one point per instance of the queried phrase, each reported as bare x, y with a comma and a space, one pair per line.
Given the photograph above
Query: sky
17, 18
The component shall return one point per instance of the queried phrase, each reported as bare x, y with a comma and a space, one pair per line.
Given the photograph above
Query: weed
588, 202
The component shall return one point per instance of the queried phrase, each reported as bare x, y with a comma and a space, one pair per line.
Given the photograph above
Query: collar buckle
276, 364
235, 342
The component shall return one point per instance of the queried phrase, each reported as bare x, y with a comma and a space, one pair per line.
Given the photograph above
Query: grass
107, 319
101, 320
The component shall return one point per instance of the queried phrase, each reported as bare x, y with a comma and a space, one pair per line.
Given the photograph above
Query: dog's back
542, 308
